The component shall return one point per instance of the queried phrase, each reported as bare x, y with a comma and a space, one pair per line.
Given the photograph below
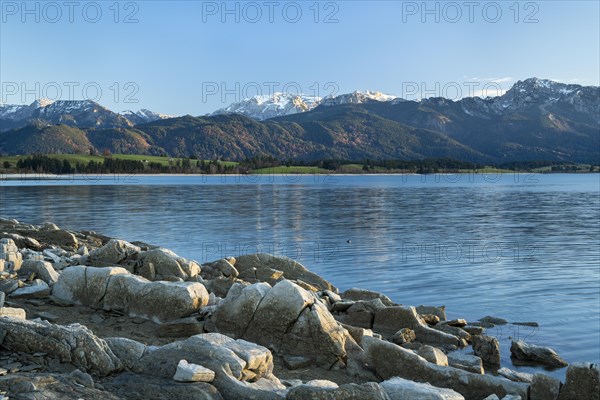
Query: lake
524, 247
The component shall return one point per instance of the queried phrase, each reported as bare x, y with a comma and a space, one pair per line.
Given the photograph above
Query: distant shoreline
107, 177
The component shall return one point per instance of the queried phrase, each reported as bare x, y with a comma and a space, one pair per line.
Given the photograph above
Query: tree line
194, 165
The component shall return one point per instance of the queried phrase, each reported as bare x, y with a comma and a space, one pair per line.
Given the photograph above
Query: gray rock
84, 285
113, 252
8, 286
291, 269
82, 378
342, 306
233, 361
433, 355
493, 320
114, 288
544, 387
390, 320
285, 318
538, 354
583, 382
38, 289
402, 389
127, 350
357, 294
24, 242
42, 270
474, 330
352, 391
238, 308
465, 362
157, 301
219, 268
515, 376
187, 372
73, 343
453, 330
357, 333
165, 264
360, 319
488, 348
390, 360
48, 387
371, 306
2, 299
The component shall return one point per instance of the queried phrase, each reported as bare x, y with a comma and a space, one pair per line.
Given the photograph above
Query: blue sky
192, 57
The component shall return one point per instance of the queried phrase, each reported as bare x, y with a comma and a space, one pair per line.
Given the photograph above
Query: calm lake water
517, 246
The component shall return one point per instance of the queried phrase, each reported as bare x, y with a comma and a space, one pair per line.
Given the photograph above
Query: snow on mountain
80, 113
357, 97
144, 116
270, 106
537, 93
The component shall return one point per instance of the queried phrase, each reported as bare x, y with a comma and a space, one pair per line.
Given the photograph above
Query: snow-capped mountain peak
263, 107
144, 116
357, 97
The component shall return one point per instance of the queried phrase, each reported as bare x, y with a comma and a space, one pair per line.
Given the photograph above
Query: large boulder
113, 252
390, 320
242, 369
74, 344
84, 285
402, 389
292, 270
114, 288
158, 301
390, 360
285, 318
583, 382
237, 309
165, 264
537, 354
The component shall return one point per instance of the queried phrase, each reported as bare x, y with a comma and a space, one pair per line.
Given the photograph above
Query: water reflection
517, 249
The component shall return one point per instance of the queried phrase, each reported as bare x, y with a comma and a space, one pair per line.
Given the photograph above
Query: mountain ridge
534, 120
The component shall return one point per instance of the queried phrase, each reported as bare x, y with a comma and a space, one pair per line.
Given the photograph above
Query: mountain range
536, 119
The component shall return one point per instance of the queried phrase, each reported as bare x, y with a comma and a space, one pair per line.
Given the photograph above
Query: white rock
400, 389
187, 372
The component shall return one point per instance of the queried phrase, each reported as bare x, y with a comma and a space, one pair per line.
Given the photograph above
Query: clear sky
192, 57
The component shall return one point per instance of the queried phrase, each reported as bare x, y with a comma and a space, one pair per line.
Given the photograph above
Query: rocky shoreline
86, 316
